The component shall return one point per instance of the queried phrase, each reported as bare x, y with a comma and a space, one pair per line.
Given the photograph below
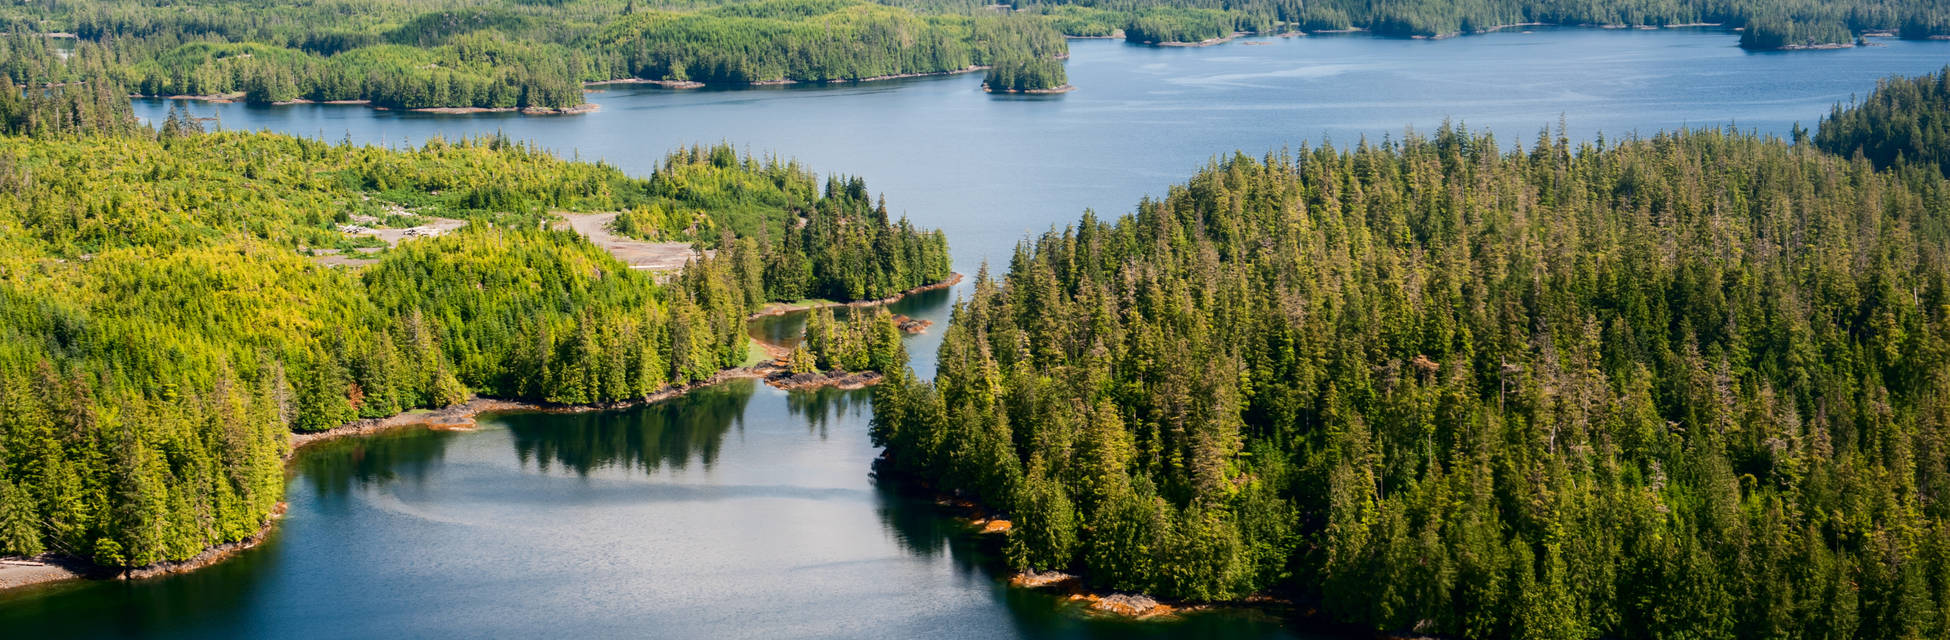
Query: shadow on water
788, 329
822, 407
335, 467
785, 329
647, 438
926, 303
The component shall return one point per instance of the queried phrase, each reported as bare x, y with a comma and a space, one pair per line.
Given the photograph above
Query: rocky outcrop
911, 325
1037, 580
1133, 605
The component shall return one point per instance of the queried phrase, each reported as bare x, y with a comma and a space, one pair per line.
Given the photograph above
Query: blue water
747, 512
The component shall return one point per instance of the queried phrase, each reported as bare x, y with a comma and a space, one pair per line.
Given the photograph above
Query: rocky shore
23, 572
910, 325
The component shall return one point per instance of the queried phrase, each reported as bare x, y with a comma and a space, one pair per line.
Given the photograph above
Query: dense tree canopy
47, 96
1906, 119
837, 243
164, 322
1770, 33
1782, 22
1025, 74
161, 335
513, 54
812, 41
1686, 386
523, 54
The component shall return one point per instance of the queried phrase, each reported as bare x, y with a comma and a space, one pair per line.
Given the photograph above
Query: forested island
164, 329
1027, 75
1691, 385
535, 57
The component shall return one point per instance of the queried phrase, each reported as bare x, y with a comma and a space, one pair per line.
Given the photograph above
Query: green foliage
1082, 21
523, 53
1767, 21
812, 41
162, 329
478, 70
42, 94
1767, 34
1046, 531
1906, 118
1691, 385
801, 360
1032, 74
836, 243
515, 54
871, 343
1174, 24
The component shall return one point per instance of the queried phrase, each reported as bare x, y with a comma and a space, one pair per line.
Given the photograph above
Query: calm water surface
743, 511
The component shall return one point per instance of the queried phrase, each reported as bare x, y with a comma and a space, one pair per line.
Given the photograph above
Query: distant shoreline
1032, 92
238, 96
595, 85
781, 82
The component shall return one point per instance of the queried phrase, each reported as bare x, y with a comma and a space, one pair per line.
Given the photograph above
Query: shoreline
1208, 42
579, 109
782, 308
667, 84
48, 568
783, 82
1066, 88
985, 525
1115, 34
238, 96
52, 568
695, 84
1825, 46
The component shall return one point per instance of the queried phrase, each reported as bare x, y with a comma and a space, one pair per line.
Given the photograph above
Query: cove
735, 511
742, 511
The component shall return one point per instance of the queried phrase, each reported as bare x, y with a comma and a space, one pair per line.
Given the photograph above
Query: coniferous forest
1906, 120
831, 243
164, 325
1691, 385
1694, 384
508, 54
1025, 75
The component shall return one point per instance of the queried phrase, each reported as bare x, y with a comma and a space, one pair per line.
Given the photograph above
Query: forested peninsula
1691, 385
165, 325
468, 55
